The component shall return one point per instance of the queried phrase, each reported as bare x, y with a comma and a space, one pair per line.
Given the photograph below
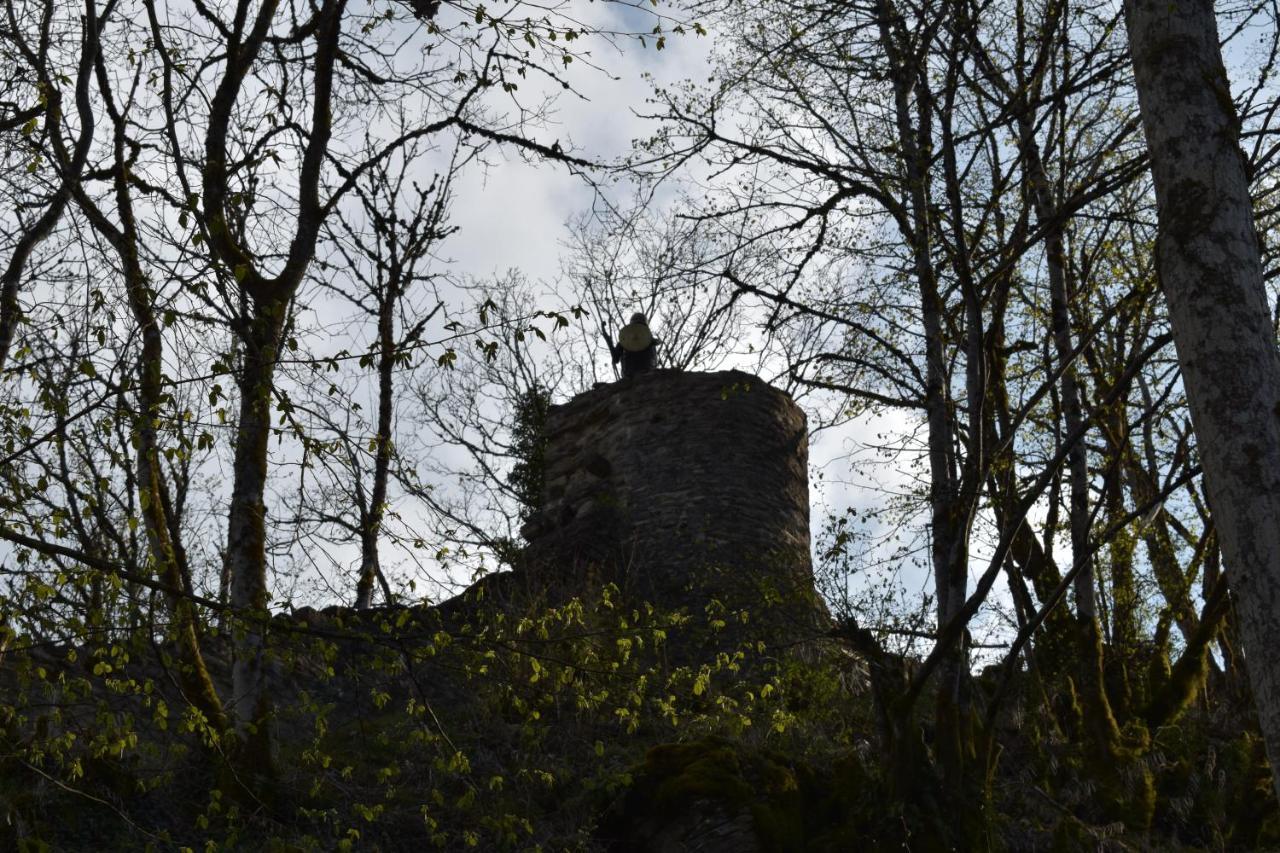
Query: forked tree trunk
1210, 269
269, 301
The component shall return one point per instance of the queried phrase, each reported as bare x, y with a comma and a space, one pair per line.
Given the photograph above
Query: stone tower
678, 487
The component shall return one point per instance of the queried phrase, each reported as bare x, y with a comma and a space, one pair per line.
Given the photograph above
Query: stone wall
674, 485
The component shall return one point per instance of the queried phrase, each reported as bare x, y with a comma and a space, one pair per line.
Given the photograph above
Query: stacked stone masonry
670, 479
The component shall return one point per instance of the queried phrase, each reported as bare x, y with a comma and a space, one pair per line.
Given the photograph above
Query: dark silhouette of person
636, 348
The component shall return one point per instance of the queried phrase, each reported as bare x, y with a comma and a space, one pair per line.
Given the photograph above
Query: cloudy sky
512, 214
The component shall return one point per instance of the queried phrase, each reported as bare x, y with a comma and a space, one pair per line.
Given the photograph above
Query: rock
714, 796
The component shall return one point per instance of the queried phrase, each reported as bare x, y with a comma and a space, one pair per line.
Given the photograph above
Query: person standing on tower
636, 349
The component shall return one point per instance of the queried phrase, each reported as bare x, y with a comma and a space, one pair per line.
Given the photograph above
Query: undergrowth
591, 724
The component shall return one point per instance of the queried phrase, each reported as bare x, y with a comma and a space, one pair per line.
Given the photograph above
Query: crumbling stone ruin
679, 487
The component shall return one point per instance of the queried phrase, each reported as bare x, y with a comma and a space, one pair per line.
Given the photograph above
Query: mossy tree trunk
266, 307
1187, 677
162, 530
246, 540
1209, 262
1099, 728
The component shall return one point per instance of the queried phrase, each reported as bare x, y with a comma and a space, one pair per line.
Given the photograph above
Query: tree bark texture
1210, 269
270, 298
371, 521
155, 507
247, 537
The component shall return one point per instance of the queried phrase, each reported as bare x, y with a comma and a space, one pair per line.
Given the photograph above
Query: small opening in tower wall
599, 466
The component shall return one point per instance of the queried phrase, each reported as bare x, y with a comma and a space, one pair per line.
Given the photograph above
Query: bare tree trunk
1173, 582
1210, 269
1072, 411
949, 521
73, 164
1099, 720
246, 538
269, 301
164, 544
370, 565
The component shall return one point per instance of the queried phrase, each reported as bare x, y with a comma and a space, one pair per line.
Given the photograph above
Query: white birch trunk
1211, 273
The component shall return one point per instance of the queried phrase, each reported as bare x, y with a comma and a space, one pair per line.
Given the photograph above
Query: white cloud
512, 214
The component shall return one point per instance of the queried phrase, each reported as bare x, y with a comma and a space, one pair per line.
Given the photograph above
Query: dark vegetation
487, 725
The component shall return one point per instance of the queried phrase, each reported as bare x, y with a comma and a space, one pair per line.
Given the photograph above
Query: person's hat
639, 317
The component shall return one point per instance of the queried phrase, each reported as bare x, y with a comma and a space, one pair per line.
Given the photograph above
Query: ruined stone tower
677, 486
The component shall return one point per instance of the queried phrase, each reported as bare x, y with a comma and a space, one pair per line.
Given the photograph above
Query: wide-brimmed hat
635, 336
